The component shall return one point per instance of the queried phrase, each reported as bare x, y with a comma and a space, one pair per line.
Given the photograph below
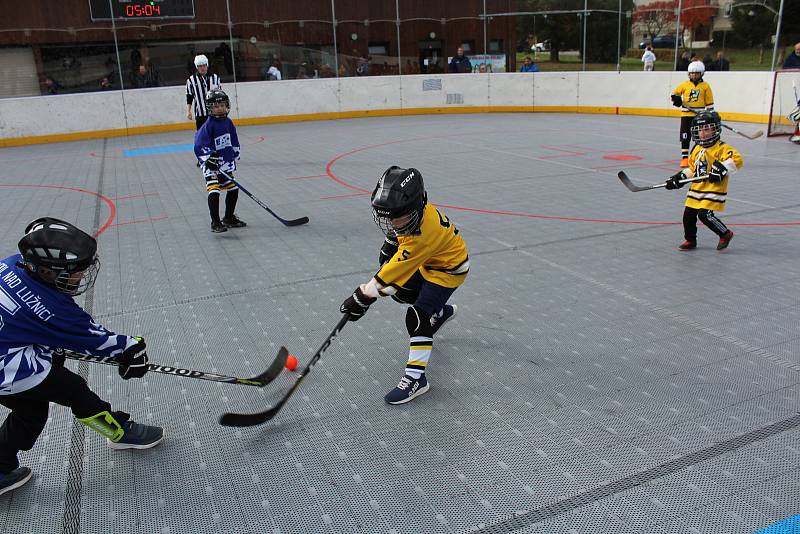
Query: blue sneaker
447, 313
407, 389
14, 479
137, 436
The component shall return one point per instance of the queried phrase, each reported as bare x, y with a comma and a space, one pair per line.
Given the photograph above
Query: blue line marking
164, 149
790, 525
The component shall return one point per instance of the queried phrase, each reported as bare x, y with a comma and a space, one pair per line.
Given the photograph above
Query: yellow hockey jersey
437, 251
694, 96
706, 195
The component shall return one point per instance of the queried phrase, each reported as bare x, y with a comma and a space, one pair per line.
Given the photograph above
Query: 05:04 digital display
141, 9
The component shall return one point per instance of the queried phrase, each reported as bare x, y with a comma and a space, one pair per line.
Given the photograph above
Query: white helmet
697, 66
200, 60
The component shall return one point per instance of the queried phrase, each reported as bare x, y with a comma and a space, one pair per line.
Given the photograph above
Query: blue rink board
790, 525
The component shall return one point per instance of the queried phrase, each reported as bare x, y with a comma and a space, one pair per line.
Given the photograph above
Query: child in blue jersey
39, 318
216, 146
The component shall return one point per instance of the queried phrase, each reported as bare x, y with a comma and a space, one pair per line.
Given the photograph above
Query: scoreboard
141, 9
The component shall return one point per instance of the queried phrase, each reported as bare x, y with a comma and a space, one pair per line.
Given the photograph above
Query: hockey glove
388, 250
718, 172
214, 162
356, 305
133, 362
794, 115
674, 181
677, 100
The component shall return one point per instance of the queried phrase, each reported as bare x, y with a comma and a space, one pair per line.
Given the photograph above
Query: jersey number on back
444, 221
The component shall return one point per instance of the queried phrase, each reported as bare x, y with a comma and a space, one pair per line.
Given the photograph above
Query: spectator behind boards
649, 59
529, 66
460, 63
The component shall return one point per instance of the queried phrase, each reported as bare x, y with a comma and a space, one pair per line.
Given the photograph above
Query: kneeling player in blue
37, 318
423, 261
216, 146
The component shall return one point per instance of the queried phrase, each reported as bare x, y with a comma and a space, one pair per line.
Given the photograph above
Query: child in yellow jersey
423, 260
716, 159
695, 94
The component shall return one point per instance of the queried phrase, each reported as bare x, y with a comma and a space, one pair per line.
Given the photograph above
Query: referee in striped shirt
197, 87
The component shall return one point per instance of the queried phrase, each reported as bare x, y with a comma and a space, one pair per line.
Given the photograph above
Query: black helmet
216, 96
399, 192
60, 254
701, 121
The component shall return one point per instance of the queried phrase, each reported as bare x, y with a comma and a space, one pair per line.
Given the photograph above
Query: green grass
741, 60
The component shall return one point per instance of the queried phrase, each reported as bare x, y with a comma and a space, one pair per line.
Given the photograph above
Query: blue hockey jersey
36, 319
217, 135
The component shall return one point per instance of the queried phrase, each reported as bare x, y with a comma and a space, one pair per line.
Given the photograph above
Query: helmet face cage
74, 283
408, 226
704, 122
215, 97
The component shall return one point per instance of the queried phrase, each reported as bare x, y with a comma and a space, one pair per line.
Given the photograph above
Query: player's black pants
686, 138
200, 121
707, 217
423, 295
29, 411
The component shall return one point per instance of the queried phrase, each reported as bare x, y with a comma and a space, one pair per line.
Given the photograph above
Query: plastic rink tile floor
594, 380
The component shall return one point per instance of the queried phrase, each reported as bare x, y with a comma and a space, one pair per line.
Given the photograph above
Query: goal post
785, 95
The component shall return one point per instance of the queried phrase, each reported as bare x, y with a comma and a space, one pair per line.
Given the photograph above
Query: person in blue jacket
216, 146
38, 320
529, 66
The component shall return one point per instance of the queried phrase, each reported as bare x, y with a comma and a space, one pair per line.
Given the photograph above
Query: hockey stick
290, 222
252, 419
636, 188
756, 135
260, 381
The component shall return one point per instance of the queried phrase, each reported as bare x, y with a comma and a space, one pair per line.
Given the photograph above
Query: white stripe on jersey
199, 86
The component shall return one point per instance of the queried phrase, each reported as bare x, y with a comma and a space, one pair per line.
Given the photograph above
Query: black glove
677, 100
674, 181
718, 172
388, 250
356, 305
214, 162
133, 362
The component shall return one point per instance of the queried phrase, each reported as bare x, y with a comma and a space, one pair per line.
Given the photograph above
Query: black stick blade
246, 419
295, 222
630, 185
273, 370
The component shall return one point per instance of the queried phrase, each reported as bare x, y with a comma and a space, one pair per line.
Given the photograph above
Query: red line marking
110, 203
622, 157
336, 158
137, 221
128, 197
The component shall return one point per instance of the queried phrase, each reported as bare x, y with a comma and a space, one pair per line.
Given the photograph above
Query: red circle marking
622, 157
338, 180
110, 203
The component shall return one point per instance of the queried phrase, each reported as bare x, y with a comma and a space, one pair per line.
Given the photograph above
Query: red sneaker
687, 245
725, 240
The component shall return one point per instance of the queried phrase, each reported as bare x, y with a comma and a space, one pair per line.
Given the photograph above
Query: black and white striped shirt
197, 87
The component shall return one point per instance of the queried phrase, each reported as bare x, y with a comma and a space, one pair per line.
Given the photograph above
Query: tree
656, 16
696, 14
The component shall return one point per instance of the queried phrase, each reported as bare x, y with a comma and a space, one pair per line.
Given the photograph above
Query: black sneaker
137, 436
407, 389
233, 222
438, 320
14, 479
725, 240
217, 227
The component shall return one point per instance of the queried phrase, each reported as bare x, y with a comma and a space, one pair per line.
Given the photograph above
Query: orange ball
291, 363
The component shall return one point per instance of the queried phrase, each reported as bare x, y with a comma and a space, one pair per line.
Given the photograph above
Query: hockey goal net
785, 96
